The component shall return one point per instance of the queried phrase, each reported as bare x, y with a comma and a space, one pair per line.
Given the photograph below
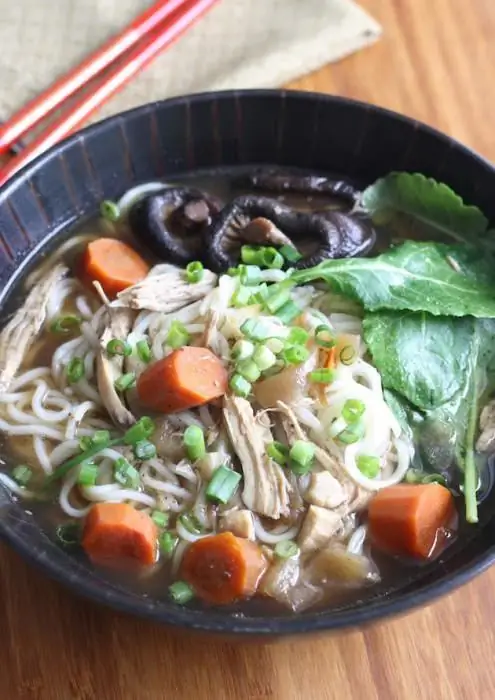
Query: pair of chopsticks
136, 46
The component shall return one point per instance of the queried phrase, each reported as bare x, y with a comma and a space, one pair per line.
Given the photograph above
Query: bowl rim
376, 609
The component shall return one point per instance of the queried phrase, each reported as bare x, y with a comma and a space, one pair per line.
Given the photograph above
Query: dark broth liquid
395, 574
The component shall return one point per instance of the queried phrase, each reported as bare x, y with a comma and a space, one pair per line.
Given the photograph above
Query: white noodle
356, 541
350, 466
271, 537
14, 487
186, 535
136, 193
114, 493
31, 429
42, 454
84, 308
64, 497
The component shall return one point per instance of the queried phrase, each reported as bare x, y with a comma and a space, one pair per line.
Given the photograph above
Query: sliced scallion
302, 454
68, 534
248, 369
87, 474
85, 443
194, 442
348, 355
144, 450
75, 370
250, 275
262, 293
278, 452
22, 474
353, 410
291, 254
271, 258
177, 336
190, 523
241, 297
65, 324
324, 336
180, 592
297, 336
118, 347
160, 519
194, 272
223, 485
143, 350
276, 345
264, 358
100, 438
277, 299
125, 381
242, 350
126, 474
240, 386
167, 542
353, 433
286, 549
368, 465
288, 312
141, 430
109, 210
250, 255
295, 354
255, 329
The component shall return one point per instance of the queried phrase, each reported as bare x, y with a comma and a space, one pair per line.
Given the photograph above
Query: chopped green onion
22, 474
118, 347
242, 350
255, 329
295, 354
278, 452
250, 255
250, 275
435, 479
297, 336
277, 299
369, 466
287, 549
274, 369
353, 410
167, 542
322, 376
240, 386
264, 358
85, 443
143, 350
262, 293
276, 345
101, 438
223, 485
194, 272
324, 336
249, 370
75, 370
93, 450
109, 210
160, 519
141, 430
144, 449
290, 254
233, 272
125, 381
177, 336
348, 355
87, 474
180, 592
194, 442
241, 297
416, 476
302, 452
288, 312
353, 433
190, 523
65, 324
126, 474
271, 258
68, 534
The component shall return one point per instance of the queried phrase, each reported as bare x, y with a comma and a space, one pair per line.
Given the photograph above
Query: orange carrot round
223, 568
186, 378
114, 264
410, 519
119, 536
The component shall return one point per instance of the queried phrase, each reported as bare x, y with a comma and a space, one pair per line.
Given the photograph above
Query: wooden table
434, 63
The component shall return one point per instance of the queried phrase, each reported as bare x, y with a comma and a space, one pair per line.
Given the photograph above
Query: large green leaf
413, 276
425, 201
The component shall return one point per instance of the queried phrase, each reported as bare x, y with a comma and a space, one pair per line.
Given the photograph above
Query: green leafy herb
412, 277
424, 202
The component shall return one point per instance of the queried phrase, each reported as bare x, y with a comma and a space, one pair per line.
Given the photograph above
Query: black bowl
169, 138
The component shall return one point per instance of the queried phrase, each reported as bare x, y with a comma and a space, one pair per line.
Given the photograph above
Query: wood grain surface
435, 62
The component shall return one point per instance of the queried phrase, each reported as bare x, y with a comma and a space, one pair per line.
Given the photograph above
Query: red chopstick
116, 78
45, 103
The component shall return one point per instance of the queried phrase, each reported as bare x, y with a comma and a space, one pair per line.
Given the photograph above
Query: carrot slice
114, 264
331, 358
223, 568
187, 377
119, 536
411, 519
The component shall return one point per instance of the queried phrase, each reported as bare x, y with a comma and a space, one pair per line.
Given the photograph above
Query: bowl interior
175, 137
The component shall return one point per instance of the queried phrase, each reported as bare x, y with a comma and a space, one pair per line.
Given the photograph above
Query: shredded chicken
486, 440
212, 337
22, 329
319, 526
165, 291
108, 369
266, 489
325, 490
239, 523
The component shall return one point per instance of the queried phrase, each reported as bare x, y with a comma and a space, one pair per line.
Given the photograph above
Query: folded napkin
238, 44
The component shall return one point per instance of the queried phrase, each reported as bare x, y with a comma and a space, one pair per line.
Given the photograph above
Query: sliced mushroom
335, 234
172, 221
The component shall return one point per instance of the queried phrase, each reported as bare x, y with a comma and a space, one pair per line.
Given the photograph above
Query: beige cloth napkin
238, 44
